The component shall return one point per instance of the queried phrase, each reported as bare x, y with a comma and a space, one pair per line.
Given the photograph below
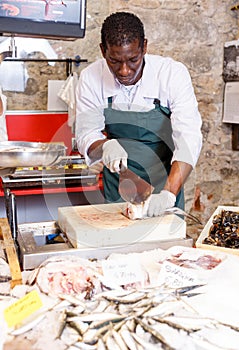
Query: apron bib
147, 138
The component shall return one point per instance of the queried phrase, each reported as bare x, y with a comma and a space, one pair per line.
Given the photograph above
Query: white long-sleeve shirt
3, 128
163, 78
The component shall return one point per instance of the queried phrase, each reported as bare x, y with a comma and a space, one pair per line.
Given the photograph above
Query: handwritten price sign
176, 276
124, 271
21, 309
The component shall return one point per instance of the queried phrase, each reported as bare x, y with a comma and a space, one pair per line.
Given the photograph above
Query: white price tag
123, 271
175, 276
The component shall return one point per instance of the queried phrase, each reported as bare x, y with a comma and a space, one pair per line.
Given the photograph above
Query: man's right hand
114, 156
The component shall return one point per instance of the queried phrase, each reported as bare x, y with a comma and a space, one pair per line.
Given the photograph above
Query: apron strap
110, 99
158, 106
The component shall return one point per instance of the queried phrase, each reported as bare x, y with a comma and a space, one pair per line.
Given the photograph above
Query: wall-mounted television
63, 19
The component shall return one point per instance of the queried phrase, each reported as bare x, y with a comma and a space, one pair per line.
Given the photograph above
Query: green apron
147, 138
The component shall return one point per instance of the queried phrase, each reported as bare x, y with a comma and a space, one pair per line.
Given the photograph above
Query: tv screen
43, 18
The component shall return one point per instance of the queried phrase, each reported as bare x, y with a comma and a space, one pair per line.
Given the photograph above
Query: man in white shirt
3, 128
138, 111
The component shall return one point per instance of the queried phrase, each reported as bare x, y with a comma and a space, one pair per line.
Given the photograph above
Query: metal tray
29, 154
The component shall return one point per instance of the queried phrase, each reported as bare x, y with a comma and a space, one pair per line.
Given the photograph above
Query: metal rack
69, 61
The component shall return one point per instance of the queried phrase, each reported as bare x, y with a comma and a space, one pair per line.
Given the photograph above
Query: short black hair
122, 28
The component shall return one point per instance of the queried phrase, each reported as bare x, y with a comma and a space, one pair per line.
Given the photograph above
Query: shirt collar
149, 83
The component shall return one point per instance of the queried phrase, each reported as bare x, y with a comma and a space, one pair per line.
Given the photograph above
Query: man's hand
114, 156
159, 202
96, 169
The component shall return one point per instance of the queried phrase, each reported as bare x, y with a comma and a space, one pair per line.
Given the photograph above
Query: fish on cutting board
136, 211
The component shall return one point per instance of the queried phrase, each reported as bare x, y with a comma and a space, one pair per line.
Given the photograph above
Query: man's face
125, 62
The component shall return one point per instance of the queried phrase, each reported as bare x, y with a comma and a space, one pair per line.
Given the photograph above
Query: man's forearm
1, 106
178, 175
95, 150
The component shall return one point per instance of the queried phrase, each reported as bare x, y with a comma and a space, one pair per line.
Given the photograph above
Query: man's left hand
160, 202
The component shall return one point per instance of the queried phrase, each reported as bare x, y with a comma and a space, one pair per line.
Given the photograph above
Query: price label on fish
123, 271
21, 309
176, 276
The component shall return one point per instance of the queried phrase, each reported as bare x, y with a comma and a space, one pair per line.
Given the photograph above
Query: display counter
39, 203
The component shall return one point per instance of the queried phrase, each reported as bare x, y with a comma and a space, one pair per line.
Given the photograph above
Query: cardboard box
205, 232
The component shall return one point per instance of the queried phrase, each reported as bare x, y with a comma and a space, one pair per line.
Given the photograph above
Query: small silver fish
62, 324
119, 340
101, 345
145, 344
129, 299
79, 326
97, 317
111, 342
29, 325
82, 346
155, 333
73, 300
90, 336
128, 338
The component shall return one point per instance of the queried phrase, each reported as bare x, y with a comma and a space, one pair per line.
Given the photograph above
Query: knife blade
178, 211
132, 188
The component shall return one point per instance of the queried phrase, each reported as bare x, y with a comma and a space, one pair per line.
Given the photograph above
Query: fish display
85, 309
149, 318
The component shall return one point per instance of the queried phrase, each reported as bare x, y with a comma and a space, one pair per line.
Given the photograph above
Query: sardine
93, 317
79, 326
90, 336
119, 340
76, 311
145, 344
128, 338
102, 305
5, 278
111, 342
83, 346
100, 324
155, 333
62, 320
192, 322
129, 299
73, 300
162, 309
173, 324
29, 325
101, 345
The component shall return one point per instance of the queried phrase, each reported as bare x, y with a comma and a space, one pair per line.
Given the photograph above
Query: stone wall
193, 32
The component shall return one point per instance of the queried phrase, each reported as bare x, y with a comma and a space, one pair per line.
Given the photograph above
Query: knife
133, 188
178, 211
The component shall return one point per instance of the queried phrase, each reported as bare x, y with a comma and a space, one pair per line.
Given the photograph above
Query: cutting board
104, 225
